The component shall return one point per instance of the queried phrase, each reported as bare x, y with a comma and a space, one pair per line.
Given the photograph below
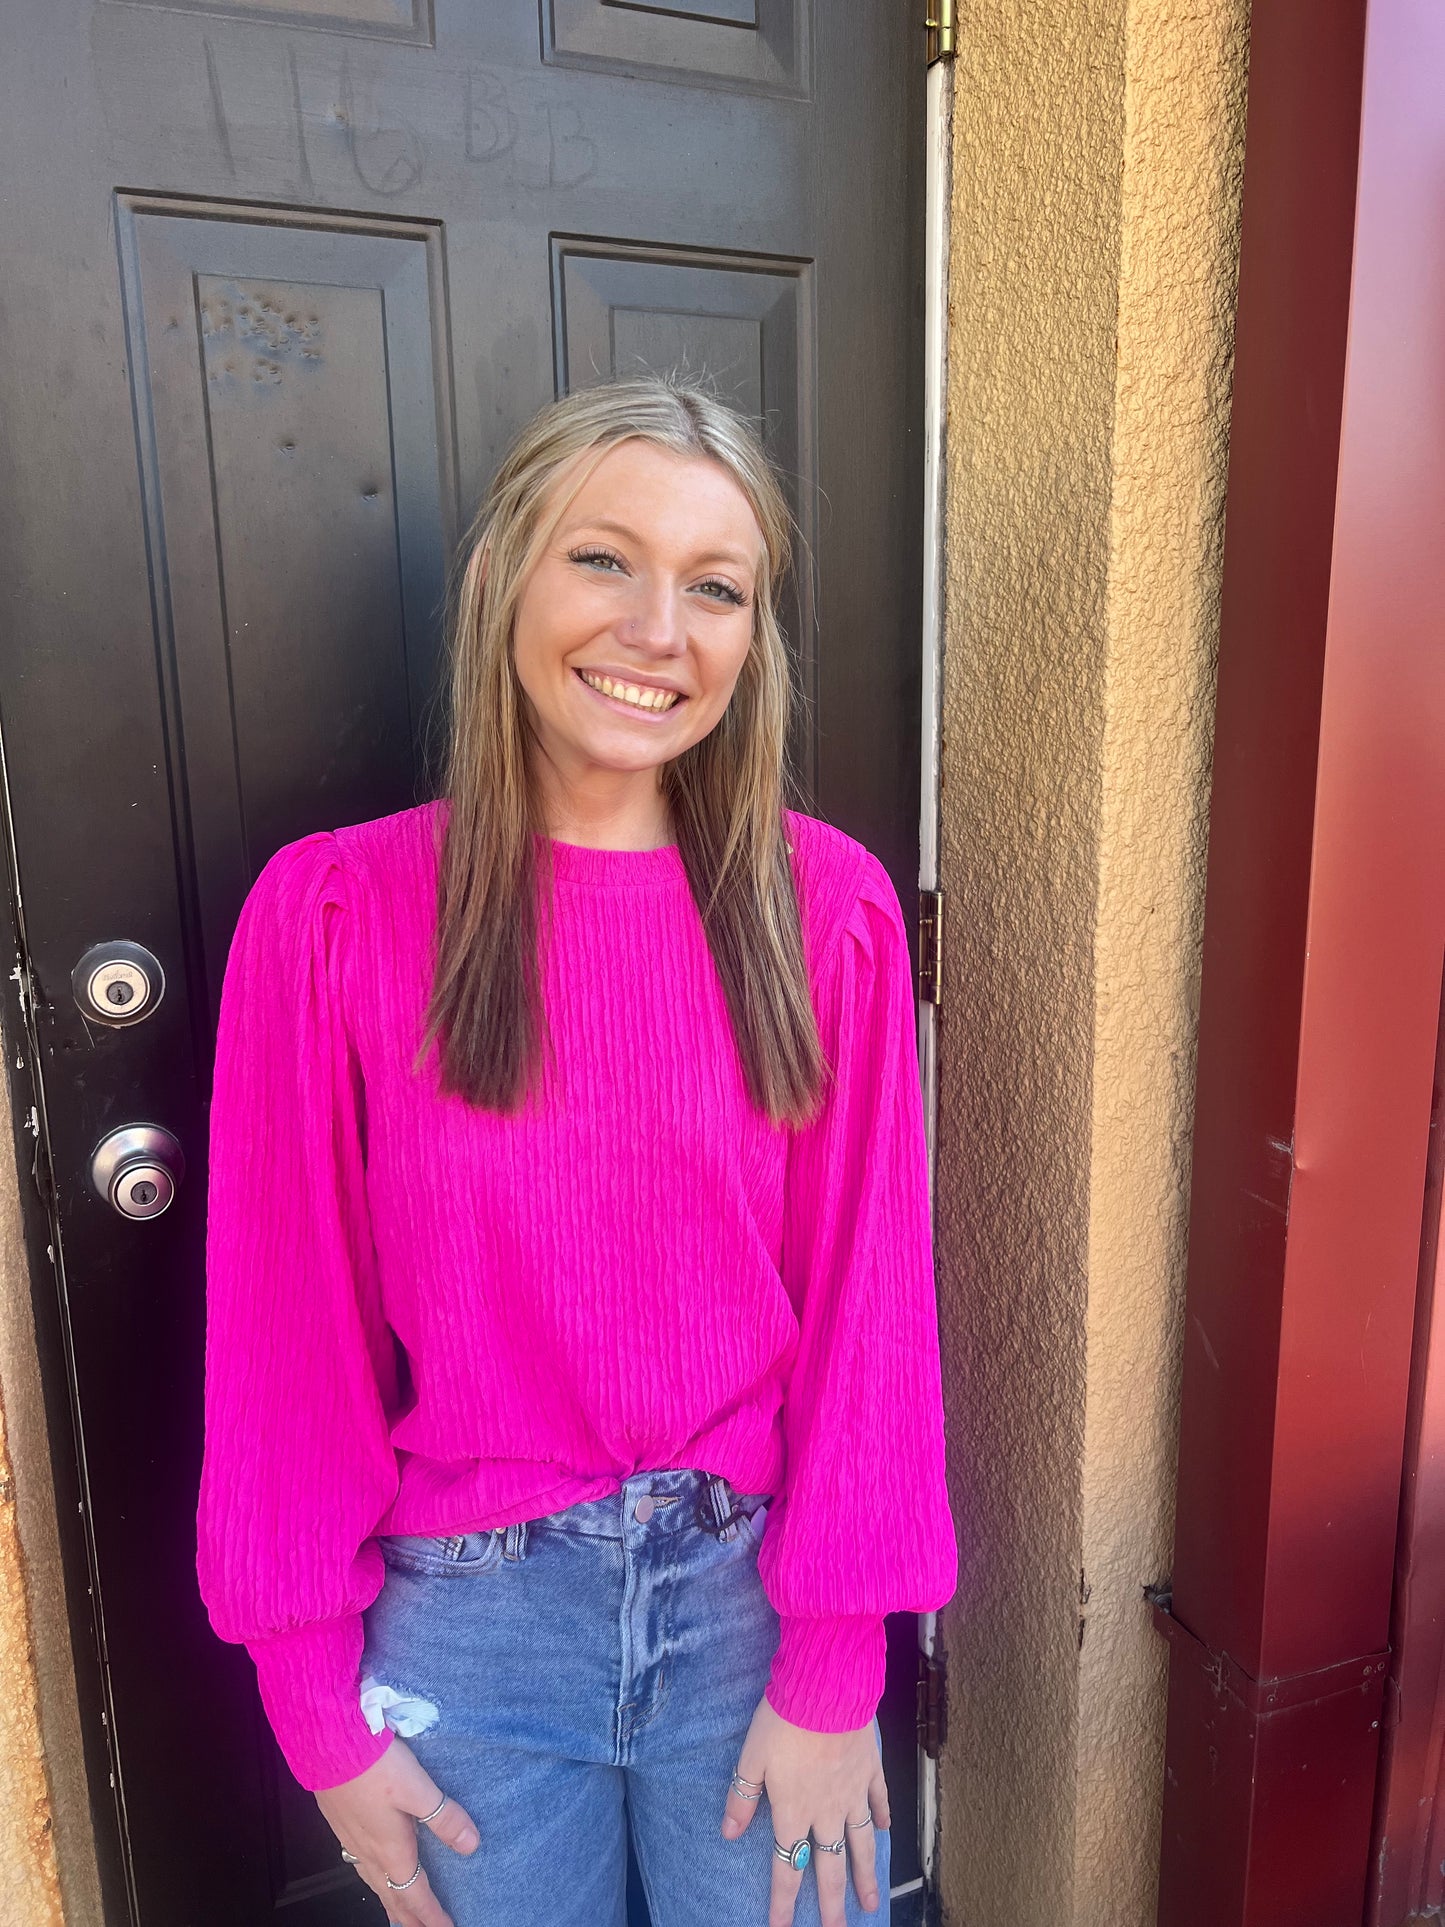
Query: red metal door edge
1407, 1876
1324, 930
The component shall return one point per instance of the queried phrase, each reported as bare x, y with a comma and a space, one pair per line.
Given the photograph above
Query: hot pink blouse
424, 1318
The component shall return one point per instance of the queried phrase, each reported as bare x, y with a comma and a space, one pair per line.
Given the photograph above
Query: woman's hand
818, 1781
374, 1816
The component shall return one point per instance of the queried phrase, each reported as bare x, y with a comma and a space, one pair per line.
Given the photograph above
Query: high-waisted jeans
581, 1675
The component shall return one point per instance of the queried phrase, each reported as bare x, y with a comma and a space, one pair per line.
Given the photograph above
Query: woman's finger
374, 1878
878, 1799
788, 1829
863, 1859
416, 1905
453, 1826
832, 1873
739, 1808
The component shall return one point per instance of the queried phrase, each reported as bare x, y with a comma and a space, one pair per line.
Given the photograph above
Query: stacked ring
797, 1856
746, 1789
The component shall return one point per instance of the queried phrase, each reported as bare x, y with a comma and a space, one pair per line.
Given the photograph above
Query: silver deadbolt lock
138, 1170
118, 983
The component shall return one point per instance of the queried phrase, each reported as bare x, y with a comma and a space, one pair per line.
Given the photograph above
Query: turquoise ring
797, 1856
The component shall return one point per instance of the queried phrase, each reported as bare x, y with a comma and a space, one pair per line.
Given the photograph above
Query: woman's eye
597, 558
723, 592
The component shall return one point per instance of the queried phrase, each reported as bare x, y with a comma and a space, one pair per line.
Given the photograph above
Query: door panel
392, 19
291, 392
281, 283
695, 42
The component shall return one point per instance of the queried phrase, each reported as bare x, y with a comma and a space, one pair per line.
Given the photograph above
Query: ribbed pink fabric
424, 1318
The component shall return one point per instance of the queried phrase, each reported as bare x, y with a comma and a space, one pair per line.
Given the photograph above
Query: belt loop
720, 1501
516, 1542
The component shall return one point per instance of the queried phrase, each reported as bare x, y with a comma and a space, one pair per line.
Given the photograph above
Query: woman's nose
655, 619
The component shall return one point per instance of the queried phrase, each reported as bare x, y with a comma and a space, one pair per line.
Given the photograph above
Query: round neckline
585, 863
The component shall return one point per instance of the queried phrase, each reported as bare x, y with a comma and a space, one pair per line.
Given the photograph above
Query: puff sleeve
863, 1526
298, 1467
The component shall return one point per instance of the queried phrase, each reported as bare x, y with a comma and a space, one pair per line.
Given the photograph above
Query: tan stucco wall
46, 1844
1097, 147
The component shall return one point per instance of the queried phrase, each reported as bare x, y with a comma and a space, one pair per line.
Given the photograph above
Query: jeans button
644, 1509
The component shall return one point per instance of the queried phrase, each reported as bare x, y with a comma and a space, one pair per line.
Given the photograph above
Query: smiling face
634, 623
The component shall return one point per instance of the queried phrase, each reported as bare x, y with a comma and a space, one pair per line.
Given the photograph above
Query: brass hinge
930, 946
938, 20
932, 1702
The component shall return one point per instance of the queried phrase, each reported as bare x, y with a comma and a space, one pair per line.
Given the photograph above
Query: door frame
44, 1267
45, 1252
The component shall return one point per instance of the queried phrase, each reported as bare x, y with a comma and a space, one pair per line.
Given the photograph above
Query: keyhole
143, 1192
118, 994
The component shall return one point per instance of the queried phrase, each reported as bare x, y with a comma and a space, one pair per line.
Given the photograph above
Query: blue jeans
585, 1673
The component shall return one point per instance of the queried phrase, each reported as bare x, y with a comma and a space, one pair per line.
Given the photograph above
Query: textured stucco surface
46, 1845
30, 1895
1096, 154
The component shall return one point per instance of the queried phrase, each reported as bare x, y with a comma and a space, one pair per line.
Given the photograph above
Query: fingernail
466, 1839
731, 1829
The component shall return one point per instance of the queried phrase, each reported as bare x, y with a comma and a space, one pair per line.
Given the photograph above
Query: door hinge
932, 1702
930, 946
938, 20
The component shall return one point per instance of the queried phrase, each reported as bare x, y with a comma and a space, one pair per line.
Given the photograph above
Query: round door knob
118, 983
138, 1169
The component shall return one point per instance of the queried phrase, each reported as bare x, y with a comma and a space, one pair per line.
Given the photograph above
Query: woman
572, 1401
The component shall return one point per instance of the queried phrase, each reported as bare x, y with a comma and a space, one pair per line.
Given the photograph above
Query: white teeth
630, 692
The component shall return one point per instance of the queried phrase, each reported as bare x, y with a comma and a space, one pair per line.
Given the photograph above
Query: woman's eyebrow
626, 534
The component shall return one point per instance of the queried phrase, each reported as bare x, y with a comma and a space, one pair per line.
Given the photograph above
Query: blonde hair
725, 794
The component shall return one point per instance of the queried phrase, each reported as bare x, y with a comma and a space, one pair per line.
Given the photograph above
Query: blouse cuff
312, 1696
828, 1673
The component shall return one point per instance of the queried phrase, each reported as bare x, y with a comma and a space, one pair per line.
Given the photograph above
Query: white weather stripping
935, 364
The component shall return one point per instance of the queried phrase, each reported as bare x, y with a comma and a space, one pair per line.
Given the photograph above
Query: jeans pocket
446, 1555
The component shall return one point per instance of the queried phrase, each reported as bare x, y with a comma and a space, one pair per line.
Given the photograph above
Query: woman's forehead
638, 482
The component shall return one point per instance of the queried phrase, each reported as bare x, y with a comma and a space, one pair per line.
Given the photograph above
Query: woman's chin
628, 757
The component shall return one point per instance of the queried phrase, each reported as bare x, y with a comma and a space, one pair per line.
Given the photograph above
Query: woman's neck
618, 817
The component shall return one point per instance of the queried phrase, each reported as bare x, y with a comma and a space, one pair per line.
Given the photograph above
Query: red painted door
1408, 1863
1320, 1000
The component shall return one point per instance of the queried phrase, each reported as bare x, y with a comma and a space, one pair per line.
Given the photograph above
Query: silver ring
427, 1818
744, 1788
797, 1856
859, 1823
831, 1846
400, 1886
349, 1857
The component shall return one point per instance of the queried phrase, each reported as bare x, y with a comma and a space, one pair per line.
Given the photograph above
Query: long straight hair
725, 793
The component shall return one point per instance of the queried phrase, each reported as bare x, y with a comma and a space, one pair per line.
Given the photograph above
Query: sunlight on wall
1096, 154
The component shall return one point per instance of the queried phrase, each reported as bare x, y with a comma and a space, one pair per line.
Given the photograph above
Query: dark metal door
281, 278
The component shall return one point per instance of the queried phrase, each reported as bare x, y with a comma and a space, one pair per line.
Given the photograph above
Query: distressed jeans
574, 1676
